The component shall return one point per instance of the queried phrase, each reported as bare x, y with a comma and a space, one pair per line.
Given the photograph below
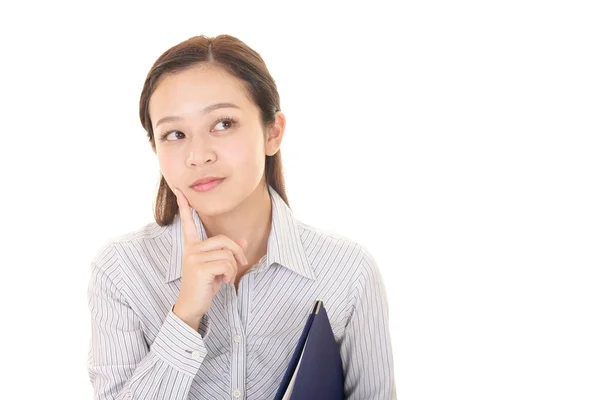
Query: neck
251, 220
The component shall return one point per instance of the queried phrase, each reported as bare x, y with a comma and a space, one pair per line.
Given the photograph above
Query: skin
198, 146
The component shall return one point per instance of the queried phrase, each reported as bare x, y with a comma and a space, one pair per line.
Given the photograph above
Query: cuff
179, 345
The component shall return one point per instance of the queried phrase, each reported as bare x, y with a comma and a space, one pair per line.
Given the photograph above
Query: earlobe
275, 135
273, 142
270, 147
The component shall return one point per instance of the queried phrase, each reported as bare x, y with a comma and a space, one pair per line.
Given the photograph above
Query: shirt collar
284, 245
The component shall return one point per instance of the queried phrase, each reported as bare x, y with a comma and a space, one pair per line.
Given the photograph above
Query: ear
153, 147
275, 135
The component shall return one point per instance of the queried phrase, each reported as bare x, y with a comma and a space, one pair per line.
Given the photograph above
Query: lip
204, 180
206, 184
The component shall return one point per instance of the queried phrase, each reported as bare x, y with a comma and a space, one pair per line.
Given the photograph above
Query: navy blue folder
315, 370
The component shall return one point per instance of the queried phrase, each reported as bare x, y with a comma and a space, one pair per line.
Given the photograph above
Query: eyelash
219, 120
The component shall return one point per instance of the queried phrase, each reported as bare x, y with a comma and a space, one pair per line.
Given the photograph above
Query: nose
200, 152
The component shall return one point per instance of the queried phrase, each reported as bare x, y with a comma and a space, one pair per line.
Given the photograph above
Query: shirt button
195, 354
237, 338
237, 393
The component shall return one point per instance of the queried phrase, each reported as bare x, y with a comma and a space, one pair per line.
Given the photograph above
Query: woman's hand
206, 264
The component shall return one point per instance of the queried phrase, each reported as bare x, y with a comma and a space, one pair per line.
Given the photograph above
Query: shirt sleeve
366, 348
121, 364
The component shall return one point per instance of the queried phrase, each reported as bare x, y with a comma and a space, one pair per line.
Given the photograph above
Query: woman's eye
228, 123
164, 137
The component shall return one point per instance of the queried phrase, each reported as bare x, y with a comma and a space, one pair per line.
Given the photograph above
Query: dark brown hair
239, 60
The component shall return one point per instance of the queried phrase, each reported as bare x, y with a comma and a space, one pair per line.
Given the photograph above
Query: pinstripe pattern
139, 349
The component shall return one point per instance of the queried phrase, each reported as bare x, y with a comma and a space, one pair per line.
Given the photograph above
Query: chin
210, 209
214, 206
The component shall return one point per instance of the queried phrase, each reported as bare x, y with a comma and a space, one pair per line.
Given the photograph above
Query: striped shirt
139, 349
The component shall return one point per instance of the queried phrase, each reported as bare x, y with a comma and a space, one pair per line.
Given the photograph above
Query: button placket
238, 348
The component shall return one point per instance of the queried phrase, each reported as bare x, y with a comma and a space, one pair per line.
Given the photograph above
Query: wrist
192, 320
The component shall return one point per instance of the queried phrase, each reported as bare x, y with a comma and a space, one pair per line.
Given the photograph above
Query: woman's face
194, 142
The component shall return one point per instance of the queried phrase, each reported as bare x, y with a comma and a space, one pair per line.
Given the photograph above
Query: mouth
207, 185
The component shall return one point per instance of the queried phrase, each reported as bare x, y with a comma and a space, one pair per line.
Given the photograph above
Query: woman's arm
121, 364
366, 346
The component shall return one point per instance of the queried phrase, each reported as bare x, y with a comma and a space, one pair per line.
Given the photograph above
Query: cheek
169, 166
244, 152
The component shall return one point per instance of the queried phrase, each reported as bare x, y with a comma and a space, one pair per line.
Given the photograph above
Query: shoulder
147, 232
338, 250
117, 250
319, 236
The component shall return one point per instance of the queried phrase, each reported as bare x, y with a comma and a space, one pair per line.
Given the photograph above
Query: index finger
190, 231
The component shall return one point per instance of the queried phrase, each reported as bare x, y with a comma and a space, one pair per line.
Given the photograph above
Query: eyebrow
206, 110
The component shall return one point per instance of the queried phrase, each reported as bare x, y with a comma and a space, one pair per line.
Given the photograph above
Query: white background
458, 141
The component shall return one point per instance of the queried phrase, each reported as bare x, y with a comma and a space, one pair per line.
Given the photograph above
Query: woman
209, 301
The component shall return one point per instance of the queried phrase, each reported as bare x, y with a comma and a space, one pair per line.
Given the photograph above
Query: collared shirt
139, 349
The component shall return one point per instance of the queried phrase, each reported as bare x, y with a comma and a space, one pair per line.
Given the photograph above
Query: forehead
195, 88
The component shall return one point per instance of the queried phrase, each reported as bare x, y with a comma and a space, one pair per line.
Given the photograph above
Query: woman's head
240, 143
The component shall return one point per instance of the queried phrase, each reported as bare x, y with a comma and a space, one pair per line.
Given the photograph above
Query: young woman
209, 301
